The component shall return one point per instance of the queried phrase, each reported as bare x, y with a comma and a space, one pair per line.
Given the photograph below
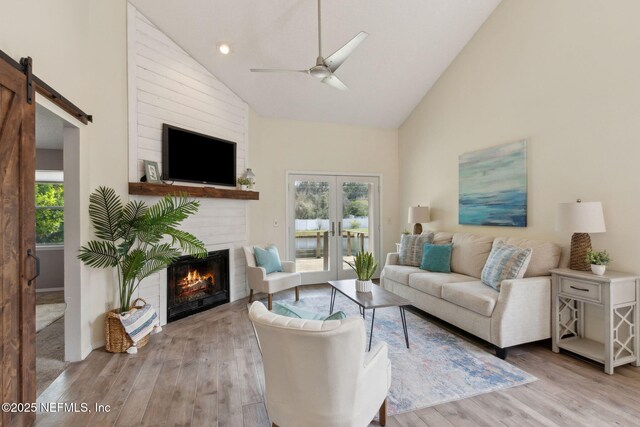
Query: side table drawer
582, 290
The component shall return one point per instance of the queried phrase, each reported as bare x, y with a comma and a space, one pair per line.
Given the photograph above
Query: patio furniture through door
330, 219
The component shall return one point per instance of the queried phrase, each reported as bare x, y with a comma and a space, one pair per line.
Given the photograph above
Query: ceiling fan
325, 68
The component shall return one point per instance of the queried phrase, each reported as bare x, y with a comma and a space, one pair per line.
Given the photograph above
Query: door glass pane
312, 226
355, 220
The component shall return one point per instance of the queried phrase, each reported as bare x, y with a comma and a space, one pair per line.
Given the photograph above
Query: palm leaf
99, 254
157, 258
188, 242
105, 211
132, 212
132, 264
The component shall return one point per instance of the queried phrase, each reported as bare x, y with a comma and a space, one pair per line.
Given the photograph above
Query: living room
558, 75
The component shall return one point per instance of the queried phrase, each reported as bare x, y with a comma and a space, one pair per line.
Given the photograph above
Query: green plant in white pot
598, 260
130, 238
365, 265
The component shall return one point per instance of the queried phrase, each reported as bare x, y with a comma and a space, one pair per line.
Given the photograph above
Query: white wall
278, 146
166, 85
562, 75
79, 48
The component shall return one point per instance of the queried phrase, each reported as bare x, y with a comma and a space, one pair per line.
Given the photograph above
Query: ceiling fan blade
336, 59
335, 82
275, 70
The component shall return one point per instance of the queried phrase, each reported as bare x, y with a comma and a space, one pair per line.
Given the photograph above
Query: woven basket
117, 340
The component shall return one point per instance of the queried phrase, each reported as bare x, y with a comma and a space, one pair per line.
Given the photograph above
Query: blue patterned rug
439, 367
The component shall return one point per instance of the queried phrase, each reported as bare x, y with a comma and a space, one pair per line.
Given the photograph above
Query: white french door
330, 218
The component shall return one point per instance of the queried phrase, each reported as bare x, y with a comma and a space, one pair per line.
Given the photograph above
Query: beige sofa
520, 312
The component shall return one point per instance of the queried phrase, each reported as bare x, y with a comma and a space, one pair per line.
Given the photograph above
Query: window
49, 208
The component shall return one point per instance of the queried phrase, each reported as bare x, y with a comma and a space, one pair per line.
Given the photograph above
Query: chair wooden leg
250, 296
270, 297
382, 414
297, 293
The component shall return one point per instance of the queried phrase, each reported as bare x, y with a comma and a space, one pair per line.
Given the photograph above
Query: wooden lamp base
417, 228
580, 245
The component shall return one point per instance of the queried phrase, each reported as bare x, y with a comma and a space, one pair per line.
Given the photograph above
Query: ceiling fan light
320, 72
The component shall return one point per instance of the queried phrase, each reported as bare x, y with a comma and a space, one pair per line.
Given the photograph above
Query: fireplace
197, 284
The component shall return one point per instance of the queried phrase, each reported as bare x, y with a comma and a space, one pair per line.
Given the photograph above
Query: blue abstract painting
493, 186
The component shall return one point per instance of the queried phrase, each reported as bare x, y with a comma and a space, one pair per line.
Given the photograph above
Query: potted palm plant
598, 261
365, 266
138, 241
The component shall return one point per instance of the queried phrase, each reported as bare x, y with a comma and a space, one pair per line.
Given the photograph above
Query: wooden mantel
149, 189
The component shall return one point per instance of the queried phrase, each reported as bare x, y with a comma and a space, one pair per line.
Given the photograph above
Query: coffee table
377, 298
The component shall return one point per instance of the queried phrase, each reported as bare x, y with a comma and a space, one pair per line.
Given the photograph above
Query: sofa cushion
545, 256
505, 262
432, 283
442, 238
470, 253
268, 258
474, 296
400, 273
436, 258
411, 247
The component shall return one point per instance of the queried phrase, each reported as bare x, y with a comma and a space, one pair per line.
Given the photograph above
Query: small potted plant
365, 266
244, 183
598, 261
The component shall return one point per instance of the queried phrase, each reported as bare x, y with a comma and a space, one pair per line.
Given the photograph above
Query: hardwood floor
206, 370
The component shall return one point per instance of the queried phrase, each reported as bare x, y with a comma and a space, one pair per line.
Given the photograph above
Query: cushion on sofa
436, 258
545, 256
474, 296
442, 238
400, 273
470, 253
411, 246
432, 283
505, 262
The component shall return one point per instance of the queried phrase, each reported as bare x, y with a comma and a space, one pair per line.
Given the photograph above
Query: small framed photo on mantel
152, 172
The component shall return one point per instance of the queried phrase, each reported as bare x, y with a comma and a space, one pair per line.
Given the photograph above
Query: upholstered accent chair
260, 281
317, 373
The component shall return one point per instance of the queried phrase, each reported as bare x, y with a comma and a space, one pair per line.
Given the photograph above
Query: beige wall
277, 146
79, 48
564, 76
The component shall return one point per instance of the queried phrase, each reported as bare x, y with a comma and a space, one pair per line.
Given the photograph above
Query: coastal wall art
493, 186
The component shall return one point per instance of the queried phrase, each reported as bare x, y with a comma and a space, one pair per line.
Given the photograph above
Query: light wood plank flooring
206, 370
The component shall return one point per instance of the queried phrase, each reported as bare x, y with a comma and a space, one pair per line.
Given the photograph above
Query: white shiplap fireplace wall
166, 85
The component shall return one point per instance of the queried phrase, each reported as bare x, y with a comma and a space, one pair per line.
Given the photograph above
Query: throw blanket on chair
138, 323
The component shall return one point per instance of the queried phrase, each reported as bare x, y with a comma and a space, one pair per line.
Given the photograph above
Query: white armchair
317, 372
260, 281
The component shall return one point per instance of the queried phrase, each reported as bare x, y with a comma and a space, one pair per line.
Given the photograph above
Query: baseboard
49, 290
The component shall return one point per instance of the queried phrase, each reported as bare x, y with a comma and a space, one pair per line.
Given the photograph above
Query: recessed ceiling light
224, 49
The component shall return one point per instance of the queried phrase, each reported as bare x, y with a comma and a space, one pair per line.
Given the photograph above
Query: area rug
438, 367
46, 314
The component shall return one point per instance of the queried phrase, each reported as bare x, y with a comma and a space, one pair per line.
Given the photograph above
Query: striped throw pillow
411, 248
505, 262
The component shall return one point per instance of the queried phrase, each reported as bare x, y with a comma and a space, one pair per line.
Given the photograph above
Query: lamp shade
418, 215
580, 217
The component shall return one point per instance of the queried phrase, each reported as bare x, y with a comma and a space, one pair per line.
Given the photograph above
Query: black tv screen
194, 157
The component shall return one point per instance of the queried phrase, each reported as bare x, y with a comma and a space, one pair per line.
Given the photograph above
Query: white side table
617, 295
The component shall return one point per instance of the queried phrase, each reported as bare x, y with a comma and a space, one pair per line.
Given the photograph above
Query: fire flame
194, 278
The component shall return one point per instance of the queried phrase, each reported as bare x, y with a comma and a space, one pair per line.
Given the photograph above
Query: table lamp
417, 216
580, 218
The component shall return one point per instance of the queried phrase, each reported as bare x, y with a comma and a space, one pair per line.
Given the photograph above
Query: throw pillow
505, 262
437, 258
299, 313
411, 247
268, 258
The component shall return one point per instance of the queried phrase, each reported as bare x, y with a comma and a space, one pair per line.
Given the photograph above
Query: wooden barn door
17, 241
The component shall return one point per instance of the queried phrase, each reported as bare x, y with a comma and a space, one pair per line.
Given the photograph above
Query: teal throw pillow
505, 262
299, 313
268, 258
436, 258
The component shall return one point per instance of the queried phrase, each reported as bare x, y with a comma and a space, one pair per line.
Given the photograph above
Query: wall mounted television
193, 157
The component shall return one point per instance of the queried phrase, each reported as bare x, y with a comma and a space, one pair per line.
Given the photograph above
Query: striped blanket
138, 323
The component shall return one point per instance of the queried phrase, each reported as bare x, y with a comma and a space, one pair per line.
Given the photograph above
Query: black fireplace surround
197, 284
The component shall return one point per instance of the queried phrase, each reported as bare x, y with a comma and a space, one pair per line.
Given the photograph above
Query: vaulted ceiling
410, 44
